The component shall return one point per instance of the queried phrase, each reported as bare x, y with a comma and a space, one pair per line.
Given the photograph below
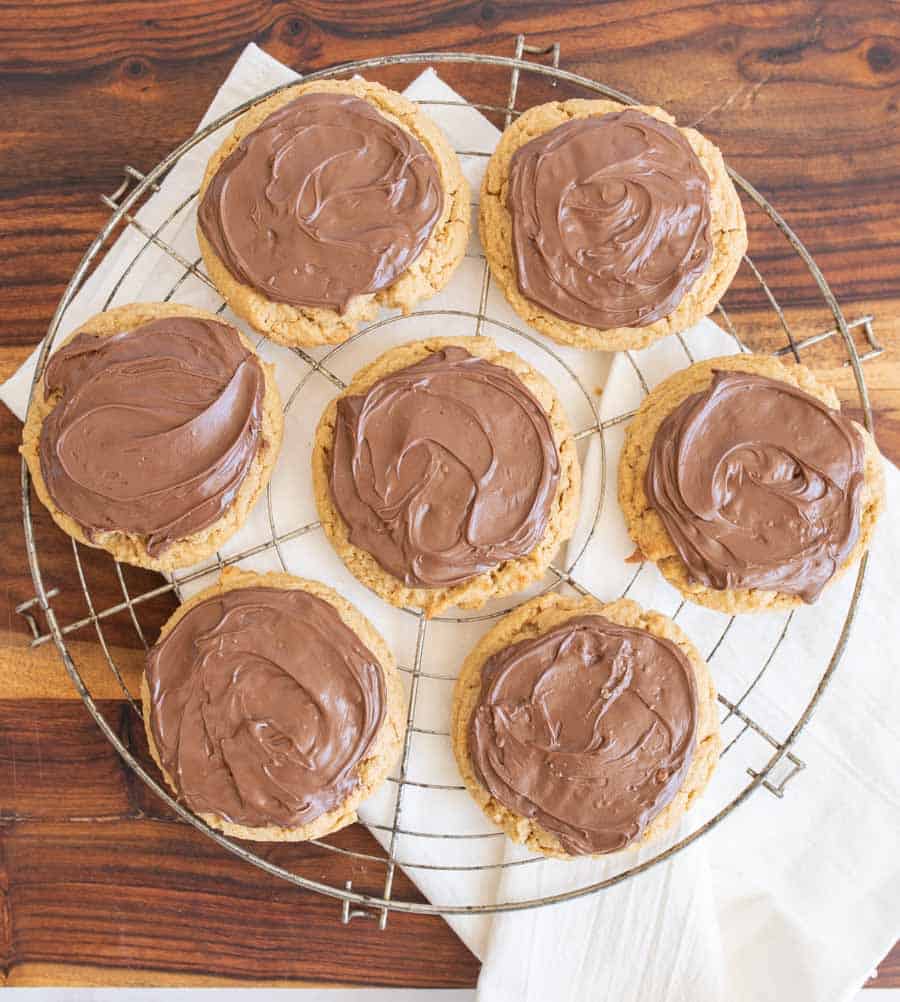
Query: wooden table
98, 884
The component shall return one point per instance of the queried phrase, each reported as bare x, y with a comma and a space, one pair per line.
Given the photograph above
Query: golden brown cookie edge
385, 748
646, 527
535, 618
509, 577
131, 548
728, 232
427, 275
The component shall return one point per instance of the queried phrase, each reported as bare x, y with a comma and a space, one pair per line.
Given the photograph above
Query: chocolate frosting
758, 485
610, 219
444, 469
326, 200
155, 428
263, 704
588, 730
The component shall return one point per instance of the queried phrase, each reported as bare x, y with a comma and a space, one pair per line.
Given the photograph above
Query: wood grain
95, 870
97, 885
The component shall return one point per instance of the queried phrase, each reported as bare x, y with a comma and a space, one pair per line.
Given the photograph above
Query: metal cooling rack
773, 774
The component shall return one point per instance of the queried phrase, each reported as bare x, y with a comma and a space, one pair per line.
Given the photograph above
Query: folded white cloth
785, 899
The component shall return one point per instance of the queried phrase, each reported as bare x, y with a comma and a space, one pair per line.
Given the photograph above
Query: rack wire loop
24, 609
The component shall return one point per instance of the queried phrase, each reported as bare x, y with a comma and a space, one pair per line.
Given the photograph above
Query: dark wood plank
96, 870
802, 96
156, 895
57, 765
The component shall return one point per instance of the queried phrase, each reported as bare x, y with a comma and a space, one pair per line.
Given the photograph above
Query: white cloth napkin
794, 899
787, 899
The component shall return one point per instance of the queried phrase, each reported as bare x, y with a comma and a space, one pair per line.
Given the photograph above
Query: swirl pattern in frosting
610, 219
263, 703
587, 729
327, 199
758, 484
444, 469
154, 429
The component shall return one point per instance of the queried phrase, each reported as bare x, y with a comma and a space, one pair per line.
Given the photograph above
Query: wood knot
881, 57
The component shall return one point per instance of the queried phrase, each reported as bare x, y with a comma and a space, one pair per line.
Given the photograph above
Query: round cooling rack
763, 752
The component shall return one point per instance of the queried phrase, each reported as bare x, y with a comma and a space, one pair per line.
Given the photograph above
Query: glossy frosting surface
325, 200
263, 704
155, 428
444, 469
758, 484
610, 219
587, 730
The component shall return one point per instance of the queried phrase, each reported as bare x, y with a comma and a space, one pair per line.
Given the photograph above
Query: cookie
147, 445
272, 707
610, 277
547, 716
744, 484
385, 225
446, 474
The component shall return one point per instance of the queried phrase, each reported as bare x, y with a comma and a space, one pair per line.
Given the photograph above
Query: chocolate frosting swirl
326, 200
444, 469
263, 704
587, 730
758, 485
155, 428
610, 219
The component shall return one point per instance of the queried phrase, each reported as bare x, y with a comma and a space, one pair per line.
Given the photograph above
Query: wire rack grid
138, 185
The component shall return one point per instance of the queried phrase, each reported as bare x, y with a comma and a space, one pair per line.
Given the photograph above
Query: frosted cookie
446, 474
582, 729
744, 483
329, 200
272, 707
609, 227
153, 432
